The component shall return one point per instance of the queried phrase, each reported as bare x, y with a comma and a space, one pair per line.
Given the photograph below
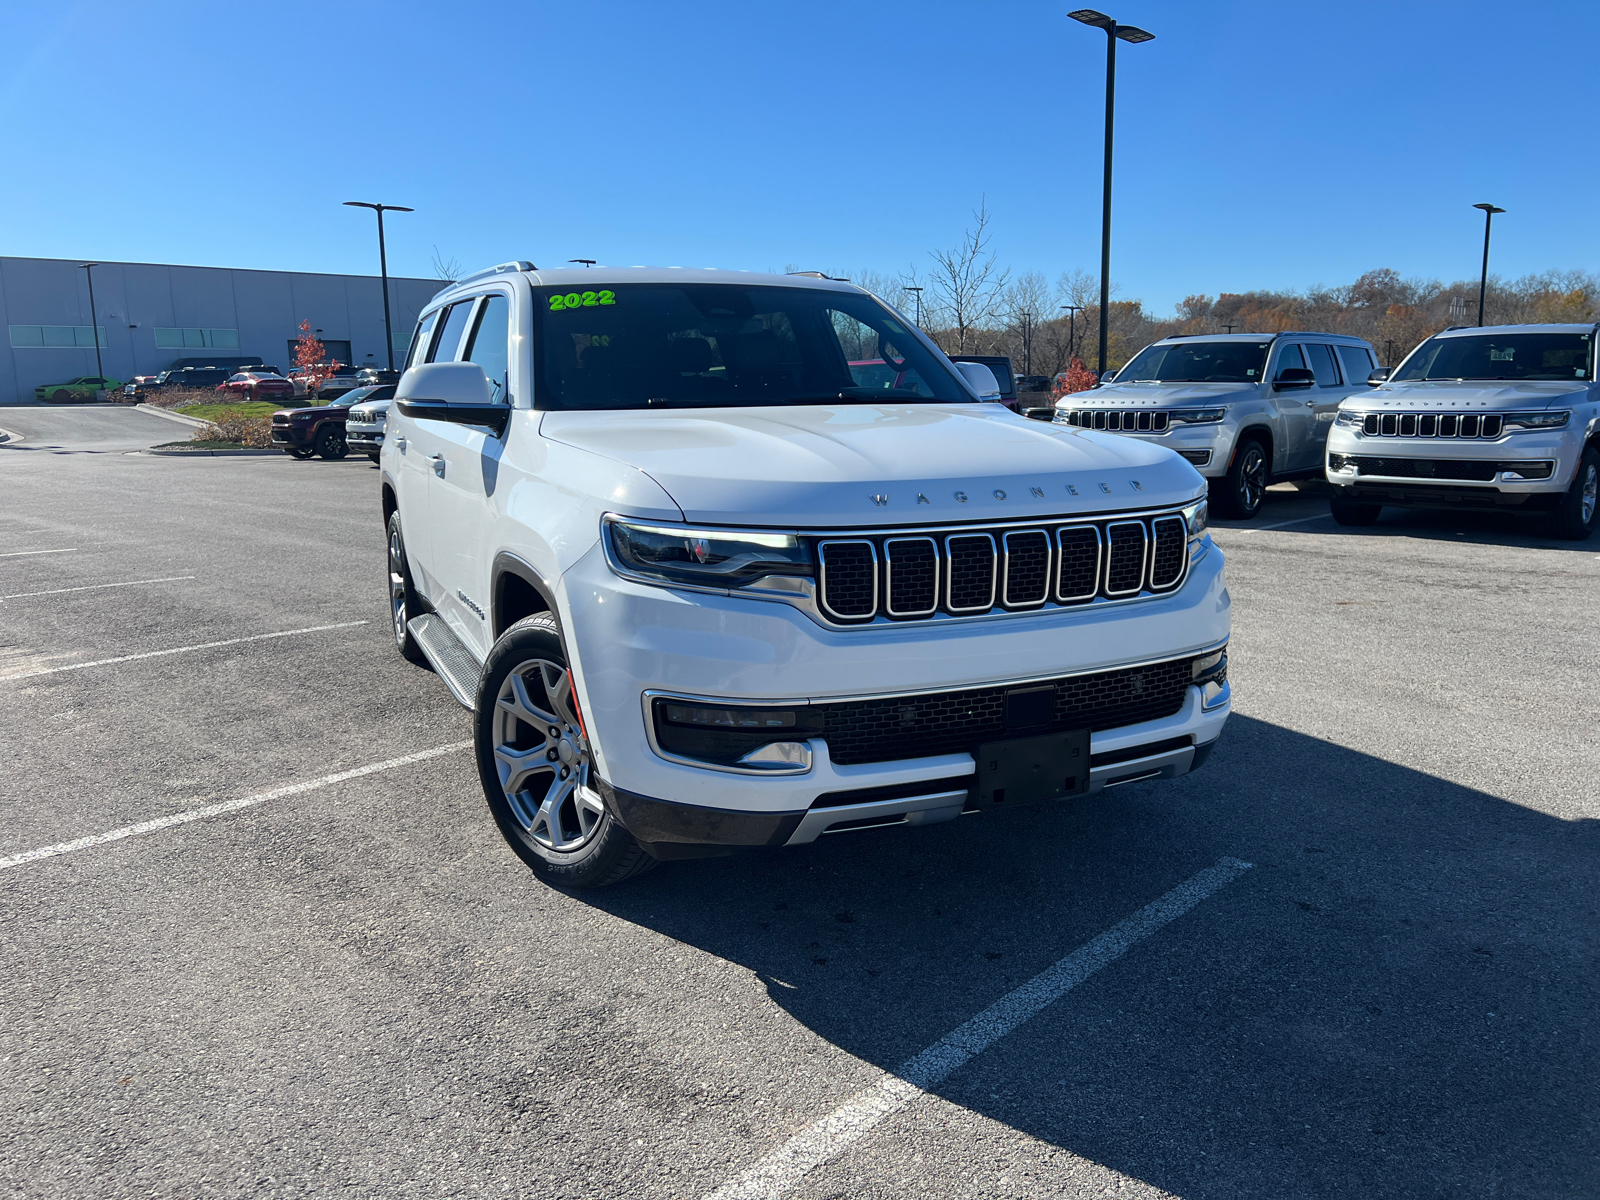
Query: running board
450, 659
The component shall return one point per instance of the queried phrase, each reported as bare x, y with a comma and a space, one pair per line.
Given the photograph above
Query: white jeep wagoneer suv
1505, 418
709, 576
1247, 409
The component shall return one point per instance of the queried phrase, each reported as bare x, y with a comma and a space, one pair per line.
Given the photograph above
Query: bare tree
967, 283
448, 269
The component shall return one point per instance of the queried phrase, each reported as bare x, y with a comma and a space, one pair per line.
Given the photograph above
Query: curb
6, 436
205, 453
191, 422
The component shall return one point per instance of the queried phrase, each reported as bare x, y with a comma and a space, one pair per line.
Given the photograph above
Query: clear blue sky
1277, 144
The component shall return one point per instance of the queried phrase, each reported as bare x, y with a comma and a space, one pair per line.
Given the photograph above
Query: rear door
465, 480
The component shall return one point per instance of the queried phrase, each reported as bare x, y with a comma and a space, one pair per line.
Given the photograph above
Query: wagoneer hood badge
856, 465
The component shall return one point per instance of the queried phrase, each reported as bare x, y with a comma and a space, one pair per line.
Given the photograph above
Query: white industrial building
152, 314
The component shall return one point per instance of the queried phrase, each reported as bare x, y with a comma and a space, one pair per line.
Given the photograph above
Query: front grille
1113, 420
969, 572
1475, 470
280, 418
1449, 425
900, 727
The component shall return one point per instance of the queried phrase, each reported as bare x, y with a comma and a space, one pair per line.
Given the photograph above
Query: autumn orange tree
1076, 378
311, 356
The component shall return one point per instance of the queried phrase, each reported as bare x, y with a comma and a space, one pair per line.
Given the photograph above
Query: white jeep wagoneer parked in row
710, 576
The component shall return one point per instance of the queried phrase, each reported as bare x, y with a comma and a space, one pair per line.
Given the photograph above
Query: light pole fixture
94, 322
383, 266
917, 292
1027, 346
1133, 35
587, 262
1489, 211
1072, 328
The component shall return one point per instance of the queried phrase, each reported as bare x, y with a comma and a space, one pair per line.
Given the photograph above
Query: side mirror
1293, 377
458, 392
1108, 377
1381, 375
1040, 414
980, 380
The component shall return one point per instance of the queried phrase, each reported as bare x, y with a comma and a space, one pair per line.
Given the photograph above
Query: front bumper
291, 435
627, 639
1429, 472
364, 436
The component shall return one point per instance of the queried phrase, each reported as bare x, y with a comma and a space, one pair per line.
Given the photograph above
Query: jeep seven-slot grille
1447, 425
884, 730
1140, 420
969, 572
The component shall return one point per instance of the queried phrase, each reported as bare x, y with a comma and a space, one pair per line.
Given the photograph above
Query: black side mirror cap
1381, 375
489, 416
1293, 377
1040, 414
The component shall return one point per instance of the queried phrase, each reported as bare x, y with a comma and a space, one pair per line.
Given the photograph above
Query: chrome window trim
1005, 568
822, 578
1099, 565
888, 576
950, 574
1144, 561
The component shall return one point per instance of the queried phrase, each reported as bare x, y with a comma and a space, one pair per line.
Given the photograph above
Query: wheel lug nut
563, 772
554, 732
551, 755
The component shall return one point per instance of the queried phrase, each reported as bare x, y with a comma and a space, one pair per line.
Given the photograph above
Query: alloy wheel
1591, 492
397, 587
542, 757
1252, 478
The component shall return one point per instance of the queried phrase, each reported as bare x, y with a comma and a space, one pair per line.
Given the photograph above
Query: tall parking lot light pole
1027, 343
1072, 328
1133, 35
94, 321
1489, 211
383, 266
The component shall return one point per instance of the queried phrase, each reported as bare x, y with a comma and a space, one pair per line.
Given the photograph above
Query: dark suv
302, 432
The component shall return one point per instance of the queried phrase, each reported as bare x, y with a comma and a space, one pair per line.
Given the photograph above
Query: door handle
400, 444
438, 465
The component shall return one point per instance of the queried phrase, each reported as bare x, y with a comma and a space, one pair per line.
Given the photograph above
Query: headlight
718, 558
1349, 417
1197, 416
1195, 516
1537, 420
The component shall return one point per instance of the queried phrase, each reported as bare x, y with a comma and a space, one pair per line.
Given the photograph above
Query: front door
464, 490
1331, 388
427, 535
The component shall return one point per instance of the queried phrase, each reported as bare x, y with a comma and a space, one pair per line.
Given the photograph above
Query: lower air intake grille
1421, 468
894, 728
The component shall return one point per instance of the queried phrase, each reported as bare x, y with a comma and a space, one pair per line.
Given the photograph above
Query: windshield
1197, 362
728, 345
1499, 356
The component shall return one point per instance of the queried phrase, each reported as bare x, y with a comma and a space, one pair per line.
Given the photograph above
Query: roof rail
821, 275
497, 269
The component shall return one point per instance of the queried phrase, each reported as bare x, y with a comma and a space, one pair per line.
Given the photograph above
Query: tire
556, 822
300, 452
330, 443
1239, 493
1347, 512
372, 456
61, 396
404, 603
1574, 518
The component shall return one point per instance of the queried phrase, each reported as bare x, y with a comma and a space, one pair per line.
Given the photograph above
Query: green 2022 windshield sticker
581, 300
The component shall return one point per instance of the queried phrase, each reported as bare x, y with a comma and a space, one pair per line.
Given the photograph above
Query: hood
853, 465
1159, 395
1489, 394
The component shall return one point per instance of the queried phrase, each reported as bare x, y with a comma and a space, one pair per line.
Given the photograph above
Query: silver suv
1247, 409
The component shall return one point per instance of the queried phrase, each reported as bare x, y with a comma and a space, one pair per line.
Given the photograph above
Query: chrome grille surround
1480, 426
1110, 558
1118, 420
846, 592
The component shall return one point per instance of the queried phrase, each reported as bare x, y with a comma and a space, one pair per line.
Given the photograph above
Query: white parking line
227, 806
106, 662
22, 553
90, 587
1281, 524
787, 1165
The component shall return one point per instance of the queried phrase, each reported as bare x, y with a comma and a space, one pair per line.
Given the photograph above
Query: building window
196, 339
55, 337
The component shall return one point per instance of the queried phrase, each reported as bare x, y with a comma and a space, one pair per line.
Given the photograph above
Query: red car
257, 385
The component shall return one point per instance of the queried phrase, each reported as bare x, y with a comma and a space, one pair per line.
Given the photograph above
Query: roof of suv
592, 277
1469, 330
1257, 337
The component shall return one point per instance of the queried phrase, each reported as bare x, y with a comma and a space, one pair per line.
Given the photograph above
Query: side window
419, 339
449, 339
1322, 363
490, 341
1289, 356
1357, 362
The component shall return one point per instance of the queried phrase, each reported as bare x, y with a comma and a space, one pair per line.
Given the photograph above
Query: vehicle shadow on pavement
1398, 999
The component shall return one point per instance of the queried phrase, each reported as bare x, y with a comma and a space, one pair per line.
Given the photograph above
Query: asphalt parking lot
350, 985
